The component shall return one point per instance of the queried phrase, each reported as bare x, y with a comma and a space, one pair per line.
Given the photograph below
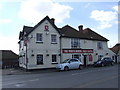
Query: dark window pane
54, 58
39, 59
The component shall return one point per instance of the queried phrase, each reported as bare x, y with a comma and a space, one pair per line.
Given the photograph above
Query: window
77, 56
53, 38
100, 45
39, 59
75, 43
39, 37
54, 58
73, 60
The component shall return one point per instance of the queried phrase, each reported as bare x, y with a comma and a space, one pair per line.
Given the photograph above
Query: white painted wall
86, 44
43, 48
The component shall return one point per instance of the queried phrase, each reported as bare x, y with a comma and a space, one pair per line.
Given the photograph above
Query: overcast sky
101, 17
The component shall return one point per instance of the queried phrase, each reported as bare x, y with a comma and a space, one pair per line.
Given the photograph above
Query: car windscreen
65, 61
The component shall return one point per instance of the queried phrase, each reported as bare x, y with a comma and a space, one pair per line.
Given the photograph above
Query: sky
101, 17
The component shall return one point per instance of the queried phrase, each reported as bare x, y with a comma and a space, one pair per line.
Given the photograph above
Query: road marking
34, 80
20, 85
21, 82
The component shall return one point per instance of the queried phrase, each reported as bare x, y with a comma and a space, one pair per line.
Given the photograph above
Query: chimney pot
53, 20
80, 27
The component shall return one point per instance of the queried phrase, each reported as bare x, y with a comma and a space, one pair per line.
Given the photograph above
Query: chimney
53, 20
80, 27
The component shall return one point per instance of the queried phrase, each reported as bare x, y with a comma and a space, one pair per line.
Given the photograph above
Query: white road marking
20, 85
22, 82
34, 80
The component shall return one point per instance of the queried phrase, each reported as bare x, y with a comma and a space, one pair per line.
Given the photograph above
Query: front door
85, 58
115, 59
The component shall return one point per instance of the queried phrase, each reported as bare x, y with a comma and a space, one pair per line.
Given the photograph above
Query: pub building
45, 45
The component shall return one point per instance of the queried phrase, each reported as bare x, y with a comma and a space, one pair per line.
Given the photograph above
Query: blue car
104, 62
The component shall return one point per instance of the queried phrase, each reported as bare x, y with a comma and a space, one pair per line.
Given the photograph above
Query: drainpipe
26, 53
60, 50
26, 58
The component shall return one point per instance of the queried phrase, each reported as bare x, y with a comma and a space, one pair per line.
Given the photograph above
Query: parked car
69, 64
104, 62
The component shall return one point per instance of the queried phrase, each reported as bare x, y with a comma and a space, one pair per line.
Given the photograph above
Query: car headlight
99, 62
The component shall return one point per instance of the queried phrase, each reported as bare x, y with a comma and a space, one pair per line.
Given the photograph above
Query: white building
45, 45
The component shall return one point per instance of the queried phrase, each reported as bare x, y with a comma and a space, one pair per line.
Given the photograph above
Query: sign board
77, 50
46, 27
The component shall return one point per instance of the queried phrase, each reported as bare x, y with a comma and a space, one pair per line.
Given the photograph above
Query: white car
70, 64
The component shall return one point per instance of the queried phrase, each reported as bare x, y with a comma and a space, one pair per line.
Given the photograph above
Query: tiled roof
68, 31
28, 29
116, 48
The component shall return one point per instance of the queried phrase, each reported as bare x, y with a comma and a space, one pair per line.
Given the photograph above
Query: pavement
19, 71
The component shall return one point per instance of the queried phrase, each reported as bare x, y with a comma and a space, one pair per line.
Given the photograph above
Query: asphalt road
100, 77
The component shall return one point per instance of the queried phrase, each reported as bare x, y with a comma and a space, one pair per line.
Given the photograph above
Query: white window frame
54, 39
40, 38
75, 43
100, 45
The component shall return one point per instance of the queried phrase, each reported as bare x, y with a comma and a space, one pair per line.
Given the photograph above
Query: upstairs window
39, 37
53, 39
99, 45
75, 43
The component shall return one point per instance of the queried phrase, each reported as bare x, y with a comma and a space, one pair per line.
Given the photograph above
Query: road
100, 77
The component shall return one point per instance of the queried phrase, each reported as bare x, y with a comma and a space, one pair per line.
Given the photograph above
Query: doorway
115, 59
84, 60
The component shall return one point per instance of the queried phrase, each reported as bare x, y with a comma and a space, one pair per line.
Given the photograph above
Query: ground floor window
54, 58
39, 59
76, 56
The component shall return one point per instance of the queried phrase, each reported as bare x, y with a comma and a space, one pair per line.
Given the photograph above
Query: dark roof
9, 55
116, 48
28, 29
68, 31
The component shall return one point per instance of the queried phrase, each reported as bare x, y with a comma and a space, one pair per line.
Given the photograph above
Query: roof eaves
46, 18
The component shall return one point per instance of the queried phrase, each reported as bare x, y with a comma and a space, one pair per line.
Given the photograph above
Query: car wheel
102, 65
80, 67
66, 68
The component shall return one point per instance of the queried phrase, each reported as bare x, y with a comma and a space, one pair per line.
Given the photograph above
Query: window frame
39, 38
53, 39
75, 43
39, 62
100, 45
55, 59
